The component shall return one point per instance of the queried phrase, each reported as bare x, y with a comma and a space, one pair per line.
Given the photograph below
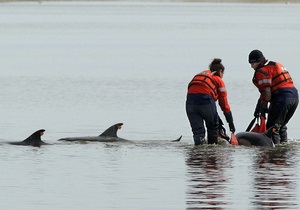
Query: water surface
76, 68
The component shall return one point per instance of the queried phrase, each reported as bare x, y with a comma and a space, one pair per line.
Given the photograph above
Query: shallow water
77, 68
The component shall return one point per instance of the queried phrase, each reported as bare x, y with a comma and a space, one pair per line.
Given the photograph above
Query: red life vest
210, 84
204, 83
272, 75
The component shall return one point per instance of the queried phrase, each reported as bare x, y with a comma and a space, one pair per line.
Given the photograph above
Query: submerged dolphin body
109, 135
33, 140
256, 139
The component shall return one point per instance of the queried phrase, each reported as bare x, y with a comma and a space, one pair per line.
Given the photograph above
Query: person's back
276, 87
203, 83
274, 75
204, 89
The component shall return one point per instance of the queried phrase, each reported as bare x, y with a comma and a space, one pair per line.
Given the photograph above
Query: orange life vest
208, 83
204, 83
272, 75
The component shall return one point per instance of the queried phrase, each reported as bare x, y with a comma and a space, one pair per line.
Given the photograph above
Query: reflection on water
206, 168
274, 180
223, 178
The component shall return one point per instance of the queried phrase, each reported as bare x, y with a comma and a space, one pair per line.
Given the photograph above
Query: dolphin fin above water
33, 140
177, 140
109, 135
112, 130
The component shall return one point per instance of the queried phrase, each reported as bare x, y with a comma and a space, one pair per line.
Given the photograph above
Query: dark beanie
256, 56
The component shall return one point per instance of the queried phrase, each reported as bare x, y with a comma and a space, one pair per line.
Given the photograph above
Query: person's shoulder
216, 76
272, 63
205, 72
218, 79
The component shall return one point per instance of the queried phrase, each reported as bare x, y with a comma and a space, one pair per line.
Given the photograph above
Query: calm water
75, 69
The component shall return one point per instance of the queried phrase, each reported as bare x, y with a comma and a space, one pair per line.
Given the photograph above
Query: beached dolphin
109, 135
33, 140
257, 139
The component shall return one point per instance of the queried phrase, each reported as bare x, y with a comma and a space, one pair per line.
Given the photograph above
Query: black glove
231, 127
229, 119
263, 108
257, 109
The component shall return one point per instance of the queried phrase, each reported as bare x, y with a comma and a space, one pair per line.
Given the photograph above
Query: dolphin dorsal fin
112, 130
35, 136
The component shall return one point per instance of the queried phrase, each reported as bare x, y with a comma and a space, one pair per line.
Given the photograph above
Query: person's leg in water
212, 123
196, 122
282, 108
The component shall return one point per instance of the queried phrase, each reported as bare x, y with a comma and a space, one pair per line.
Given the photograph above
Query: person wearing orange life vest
203, 91
277, 88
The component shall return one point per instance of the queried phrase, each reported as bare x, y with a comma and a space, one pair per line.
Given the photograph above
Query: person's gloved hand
229, 119
257, 109
231, 127
261, 108
264, 108
256, 113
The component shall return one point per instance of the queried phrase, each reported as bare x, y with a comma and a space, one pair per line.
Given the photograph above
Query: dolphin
109, 135
33, 140
257, 139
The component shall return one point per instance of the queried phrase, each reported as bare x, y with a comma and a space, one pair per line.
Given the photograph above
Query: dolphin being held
33, 140
109, 135
256, 139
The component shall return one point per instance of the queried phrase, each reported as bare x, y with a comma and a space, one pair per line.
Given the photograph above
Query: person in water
276, 87
203, 91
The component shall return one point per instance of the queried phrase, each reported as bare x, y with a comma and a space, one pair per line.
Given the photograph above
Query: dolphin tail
176, 140
112, 131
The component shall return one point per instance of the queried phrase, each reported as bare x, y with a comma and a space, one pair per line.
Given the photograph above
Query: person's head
256, 59
217, 67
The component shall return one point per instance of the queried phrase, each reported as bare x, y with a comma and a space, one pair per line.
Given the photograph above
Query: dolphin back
112, 130
256, 139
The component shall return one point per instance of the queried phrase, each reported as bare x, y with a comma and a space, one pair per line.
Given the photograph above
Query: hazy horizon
188, 1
